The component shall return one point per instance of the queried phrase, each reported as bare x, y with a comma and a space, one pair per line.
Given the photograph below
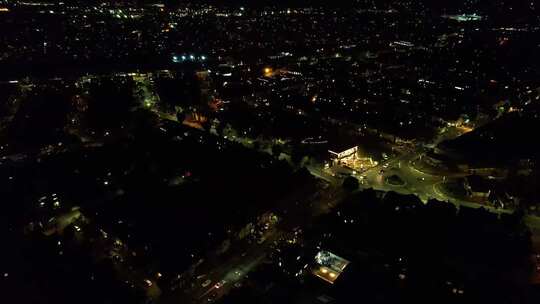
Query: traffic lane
212, 271
415, 182
253, 257
319, 172
230, 279
421, 184
223, 271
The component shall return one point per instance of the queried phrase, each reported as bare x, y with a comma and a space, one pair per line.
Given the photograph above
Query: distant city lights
192, 57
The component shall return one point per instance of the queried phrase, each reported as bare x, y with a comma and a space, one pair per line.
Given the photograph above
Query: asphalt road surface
225, 273
228, 273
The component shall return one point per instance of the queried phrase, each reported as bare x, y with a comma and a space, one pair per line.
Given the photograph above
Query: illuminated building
341, 156
464, 17
329, 266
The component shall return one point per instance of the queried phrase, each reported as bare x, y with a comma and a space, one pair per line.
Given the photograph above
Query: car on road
148, 283
206, 283
212, 297
220, 284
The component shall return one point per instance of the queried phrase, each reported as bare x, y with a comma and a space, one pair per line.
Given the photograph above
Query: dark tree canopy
41, 118
350, 183
111, 100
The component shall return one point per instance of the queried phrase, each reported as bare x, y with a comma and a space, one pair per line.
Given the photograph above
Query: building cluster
213, 153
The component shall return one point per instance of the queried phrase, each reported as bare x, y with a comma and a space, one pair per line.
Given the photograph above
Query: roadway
421, 184
224, 274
